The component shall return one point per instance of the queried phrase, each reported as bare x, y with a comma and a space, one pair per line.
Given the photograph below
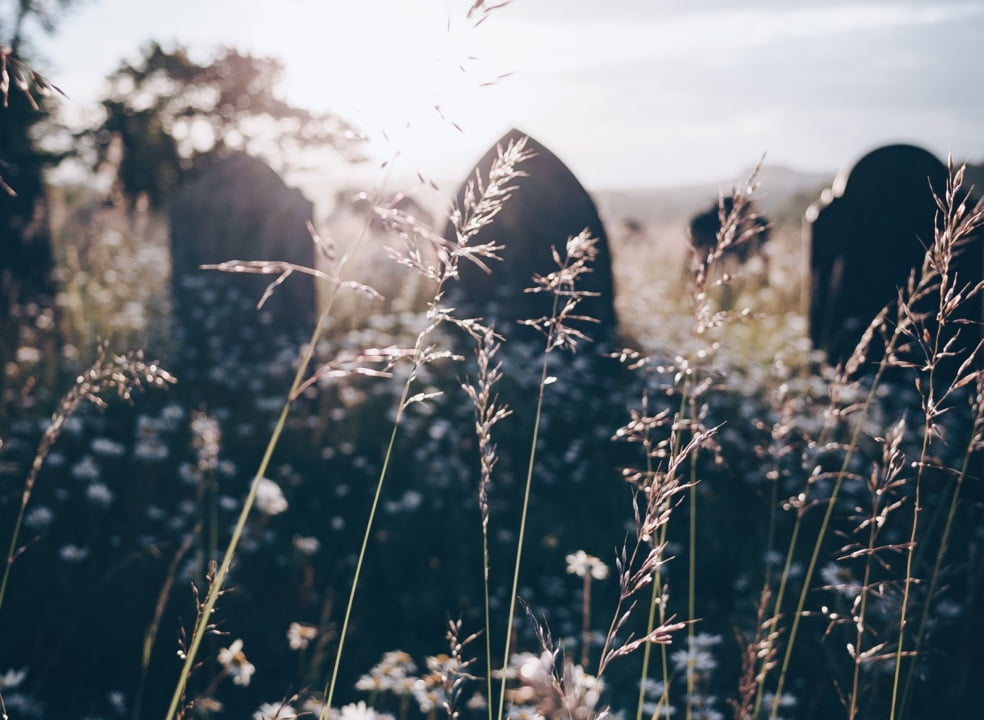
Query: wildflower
117, 700
443, 665
694, 659
359, 711
39, 518
270, 498
428, 697
654, 709
299, 635
275, 711
306, 545
534, 669
524, 712
841, 579
233, 659
654, 688
107, 448
397, 663
99, 494
85, 469
12, 678
73, 553
150, 449
706, 713
785, 700
149, 446
582, 565
372, 683
702, 641
312, 705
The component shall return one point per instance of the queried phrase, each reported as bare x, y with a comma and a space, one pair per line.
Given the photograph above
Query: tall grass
842, 472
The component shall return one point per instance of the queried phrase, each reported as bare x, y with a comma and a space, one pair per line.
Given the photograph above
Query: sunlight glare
405, 74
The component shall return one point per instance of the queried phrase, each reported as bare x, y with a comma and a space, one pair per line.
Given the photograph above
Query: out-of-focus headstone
867, 234
548, 206
746, 239
238, 209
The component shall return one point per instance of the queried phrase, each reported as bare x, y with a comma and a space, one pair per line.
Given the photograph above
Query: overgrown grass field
411, 516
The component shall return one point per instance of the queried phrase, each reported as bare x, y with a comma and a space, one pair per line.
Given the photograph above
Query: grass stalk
522, 530
822, 532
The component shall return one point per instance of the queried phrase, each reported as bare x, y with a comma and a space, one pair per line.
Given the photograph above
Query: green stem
522, 531
362, 552
204, 617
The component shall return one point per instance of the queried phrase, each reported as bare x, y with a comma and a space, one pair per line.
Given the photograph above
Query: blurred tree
25, 248
167, 114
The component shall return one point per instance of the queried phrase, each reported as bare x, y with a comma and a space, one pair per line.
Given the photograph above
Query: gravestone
576, 474
749, 240
547, 207
705, 226
238, 208
867, 234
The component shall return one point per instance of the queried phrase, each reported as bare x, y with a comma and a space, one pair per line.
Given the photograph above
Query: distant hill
783, 194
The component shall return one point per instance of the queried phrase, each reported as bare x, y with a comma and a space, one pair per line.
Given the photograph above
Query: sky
628, 93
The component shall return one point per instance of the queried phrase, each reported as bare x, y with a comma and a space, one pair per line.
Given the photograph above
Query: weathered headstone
237, 209
548, 206
868, 233
576, 469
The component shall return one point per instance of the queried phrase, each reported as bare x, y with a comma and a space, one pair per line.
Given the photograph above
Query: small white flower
12, 678
73, 553
117, 700
86, 469
39, 518
359, 711
524, 712
582, 565
233, 659
428, 697
151, 450
299, 635
107, 448
306, 545
696, 660
269, 497
99, 494
275, 711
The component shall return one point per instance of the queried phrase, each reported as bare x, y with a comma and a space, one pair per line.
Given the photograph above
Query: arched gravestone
547, 207
867, 234
237, 209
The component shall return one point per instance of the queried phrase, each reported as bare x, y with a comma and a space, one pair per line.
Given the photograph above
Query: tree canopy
166, 113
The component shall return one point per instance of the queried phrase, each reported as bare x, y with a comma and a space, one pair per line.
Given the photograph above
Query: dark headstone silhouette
750, 236
548, 206
868, 233
237, 209
705, 226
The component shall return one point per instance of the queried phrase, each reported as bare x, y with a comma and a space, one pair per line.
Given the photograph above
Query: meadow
413, 514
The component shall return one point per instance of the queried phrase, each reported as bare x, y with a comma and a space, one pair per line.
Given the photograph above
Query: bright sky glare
627, 92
